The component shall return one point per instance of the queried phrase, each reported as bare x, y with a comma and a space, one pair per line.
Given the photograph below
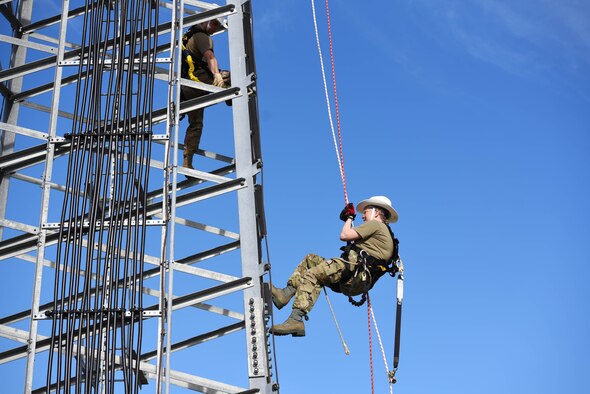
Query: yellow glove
218, 80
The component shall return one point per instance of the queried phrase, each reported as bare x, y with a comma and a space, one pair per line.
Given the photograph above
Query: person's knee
311, 260
328, 272
308, 282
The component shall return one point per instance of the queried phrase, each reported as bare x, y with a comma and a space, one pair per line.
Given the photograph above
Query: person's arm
203, 44
211, 60
212, 64
348, 233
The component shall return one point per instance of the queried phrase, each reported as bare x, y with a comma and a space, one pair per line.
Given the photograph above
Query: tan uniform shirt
375, 239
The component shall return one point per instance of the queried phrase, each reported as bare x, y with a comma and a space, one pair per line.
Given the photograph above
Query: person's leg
307, 292
194, 130
281, 297
327, 272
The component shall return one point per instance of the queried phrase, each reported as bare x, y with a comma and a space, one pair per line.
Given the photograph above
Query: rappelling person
199, 64
371, 252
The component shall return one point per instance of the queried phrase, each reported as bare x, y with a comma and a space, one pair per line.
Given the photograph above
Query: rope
272, 318
370, 343
337, 141
346, 351
382, 349
340, 159
271, 309
336, 99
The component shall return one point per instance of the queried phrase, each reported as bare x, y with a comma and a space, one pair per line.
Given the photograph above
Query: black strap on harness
398, 329
375, 268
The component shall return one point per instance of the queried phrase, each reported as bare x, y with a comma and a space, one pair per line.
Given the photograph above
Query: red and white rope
337, 140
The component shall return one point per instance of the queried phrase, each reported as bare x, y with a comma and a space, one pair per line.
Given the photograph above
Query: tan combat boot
292, 326
281, 297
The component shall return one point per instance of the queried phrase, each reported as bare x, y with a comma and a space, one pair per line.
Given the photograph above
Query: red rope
336, 104
370, 343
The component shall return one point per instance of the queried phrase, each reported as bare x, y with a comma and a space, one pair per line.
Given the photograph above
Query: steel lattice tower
116, 262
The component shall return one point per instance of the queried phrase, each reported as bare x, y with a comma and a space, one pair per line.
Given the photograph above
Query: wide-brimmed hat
222, 25
381, 202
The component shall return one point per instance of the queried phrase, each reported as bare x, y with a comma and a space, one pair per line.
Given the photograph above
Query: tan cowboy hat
381, 202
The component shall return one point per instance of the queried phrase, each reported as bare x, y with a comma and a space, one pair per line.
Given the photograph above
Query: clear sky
473, 117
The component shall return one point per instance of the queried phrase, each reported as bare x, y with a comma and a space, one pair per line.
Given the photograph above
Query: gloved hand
348, 212
226, 75
218, 80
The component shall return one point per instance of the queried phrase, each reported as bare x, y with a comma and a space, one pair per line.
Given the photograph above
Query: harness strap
368, 265
370, 261
190, 63
398, 319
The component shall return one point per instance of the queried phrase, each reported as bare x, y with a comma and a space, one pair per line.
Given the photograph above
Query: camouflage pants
310, 275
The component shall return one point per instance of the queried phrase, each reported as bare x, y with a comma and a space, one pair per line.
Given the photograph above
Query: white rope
317, 38
346, 351
382, 349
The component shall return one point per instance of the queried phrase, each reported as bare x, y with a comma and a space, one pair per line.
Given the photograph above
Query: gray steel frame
32, 241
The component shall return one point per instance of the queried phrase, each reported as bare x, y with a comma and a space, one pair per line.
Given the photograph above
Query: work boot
281, 297
293, 325
188, 160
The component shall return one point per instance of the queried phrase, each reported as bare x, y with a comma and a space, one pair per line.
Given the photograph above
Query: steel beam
239, 250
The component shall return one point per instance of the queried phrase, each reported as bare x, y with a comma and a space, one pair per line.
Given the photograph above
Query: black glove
348, 212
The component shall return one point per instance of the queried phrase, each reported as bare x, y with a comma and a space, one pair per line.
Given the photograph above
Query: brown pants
194, 130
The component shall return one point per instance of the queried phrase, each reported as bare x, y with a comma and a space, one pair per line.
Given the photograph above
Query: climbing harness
191, 65
367, 271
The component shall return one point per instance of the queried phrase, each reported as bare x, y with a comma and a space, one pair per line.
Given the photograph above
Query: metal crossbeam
85, 158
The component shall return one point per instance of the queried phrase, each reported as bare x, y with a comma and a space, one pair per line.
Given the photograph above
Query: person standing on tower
199, 64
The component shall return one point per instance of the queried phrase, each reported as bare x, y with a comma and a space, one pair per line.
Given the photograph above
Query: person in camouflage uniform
314, 272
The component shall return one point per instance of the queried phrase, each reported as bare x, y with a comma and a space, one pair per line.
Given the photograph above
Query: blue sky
472, 117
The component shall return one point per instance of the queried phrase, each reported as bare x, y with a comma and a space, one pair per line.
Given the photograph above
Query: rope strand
370, 343
333, 63
337, 142
382, 348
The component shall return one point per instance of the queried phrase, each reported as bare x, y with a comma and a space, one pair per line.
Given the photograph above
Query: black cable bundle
97, 311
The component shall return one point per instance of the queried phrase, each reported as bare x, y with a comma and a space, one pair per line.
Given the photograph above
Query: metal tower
115, 261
